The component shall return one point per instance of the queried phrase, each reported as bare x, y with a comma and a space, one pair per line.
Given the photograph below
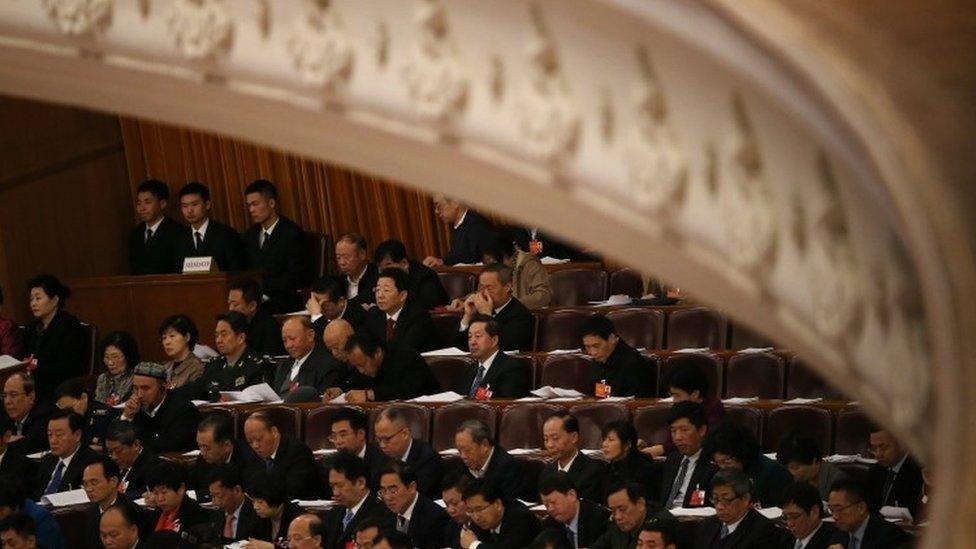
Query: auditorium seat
520, 425
803, 382
321, 253
853, 432
317, 425
445, 328
419, 418
810, 420
95, 366
567, 372
229, 412
741, 337
458, 284
626, 281
651, 423
559, 329
448, 369
593, 416
755, 375
531, 468
287, 419
709, 364
447, 418
572, 287
696, 327
747, 416
640, 327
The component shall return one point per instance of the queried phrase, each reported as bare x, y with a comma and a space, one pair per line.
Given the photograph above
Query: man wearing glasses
416, 515
736, 524
29, 433
859, 527
395, 438
803, 515
495, 524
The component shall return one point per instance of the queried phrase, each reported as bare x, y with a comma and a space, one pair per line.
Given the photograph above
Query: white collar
362, 453
409, 512
481, 472
574, 524
203, 228
568, 465
897, 467
360, 277
155, 410
805, 541
489, 361
693, 458
731, 527
67, 460
396, 316
115, 499
461, 220
503, 305
156, 225
237, 512
405, 454
271, 229
355, 508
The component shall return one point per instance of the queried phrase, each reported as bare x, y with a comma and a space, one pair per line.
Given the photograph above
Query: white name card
198, 265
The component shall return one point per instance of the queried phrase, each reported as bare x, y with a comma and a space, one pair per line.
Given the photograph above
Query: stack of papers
739, 401
557, 392
262, 392
688, 350
803, 401
546, 260
756, 350
7, 361
693, 512
772, 513
448, 396
616, 299
523, 451
450, 351
306, 503
63, 499
856, 458
325, 451
202, 351
896, 513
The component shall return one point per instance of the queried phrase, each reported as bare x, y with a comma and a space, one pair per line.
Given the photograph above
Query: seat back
567, 372
741, 337
520, 425
320, 247
810, 420
709, 364
287, 419
640, 327
651, 423
458, 284
854, 429
445, 328
803, 382
746, 416
559, 329
626, 281
448, 369
755, 375
95, 366
229, 412
447, 418
418, 417
317, 425
696, 327
593, 416
577, 286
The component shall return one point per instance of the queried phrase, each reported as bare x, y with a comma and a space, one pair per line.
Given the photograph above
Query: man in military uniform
237, 367
75, 395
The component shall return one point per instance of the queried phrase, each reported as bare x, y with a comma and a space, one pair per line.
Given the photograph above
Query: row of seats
570, 286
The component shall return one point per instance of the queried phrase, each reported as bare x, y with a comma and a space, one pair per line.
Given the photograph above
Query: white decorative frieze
79, 17
435, 79
320, 49
201, 29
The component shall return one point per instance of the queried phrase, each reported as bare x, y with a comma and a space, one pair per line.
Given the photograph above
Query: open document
261, 392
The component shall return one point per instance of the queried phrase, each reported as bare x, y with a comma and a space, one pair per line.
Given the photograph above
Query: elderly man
896, 479
310, 370
483, 459
496, 523
354, 500
628, 510
582, 521
858, 526
217, 446
736, 524
494, 299
284, 456
167, 422
118, 527
495, 374
422, 282
27, 414
398, 320
395, 374
61, 470
468, 230
395, 438
306, 532
560, 439
354, 265
416, 515
803, 515
124, 446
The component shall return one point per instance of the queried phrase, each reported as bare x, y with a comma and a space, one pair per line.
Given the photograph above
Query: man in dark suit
395, 438
803, 516
175, 511
414, 513
61, 470
398, 320
234, 518
396, 374
13, 462
360, 275
896, 479
277, 246
496, 523
687, 472
423, 284
101, 483
629, 510
347, 431
273, 507
286, 457
581, 521
560, 438
494, 298
217, 446
309, 367
468, 231
74, 394
124, 446
28, 415
327, 302
857, 525
153, 243
617, 366
495, 374
263, 329
452, 494
167, 422
238, 366
736, 524
354, 501
483, 459
206, 237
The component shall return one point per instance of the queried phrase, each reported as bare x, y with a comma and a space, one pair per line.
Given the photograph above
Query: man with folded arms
495, 374
581, 521
415, 514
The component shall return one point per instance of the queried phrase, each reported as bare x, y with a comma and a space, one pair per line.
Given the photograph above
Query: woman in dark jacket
56, 343
625, 461
734, 445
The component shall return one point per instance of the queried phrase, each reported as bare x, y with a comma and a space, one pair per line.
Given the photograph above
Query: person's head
306, 532
12, 495
656, 534
18, 531
122, 443
398, 486
226, 487
119, 352
848, 505
365, 354
151, 198
230, 334
388, 538
347, 430
178, 334
498, 246
885, 448
348, 479
298, 336
598, 337
100, 479
474, 443
731, 495
18, 395
47, 296
619, 439
496, 281
391, 290
73, 395
448, 209
119, 526
167, 482
734, 445
149, 384
559, 496
627, 505
330, 292
802, 509
560, 435
261, 199
452, 492
267, 494
483, 337
391, 254
392, 432
262, 434
686, 381
801, 456
688, 425
367, 531
65, 429
350, 253
195, 202
336, 334
244, 296
484, 503
215, 438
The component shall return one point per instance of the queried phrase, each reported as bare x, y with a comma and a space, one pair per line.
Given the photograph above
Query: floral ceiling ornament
79, 17
548, 120
434, 77
320, 49
657, 170
201, 28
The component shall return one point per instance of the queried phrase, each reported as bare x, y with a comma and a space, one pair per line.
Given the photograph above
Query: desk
476, 269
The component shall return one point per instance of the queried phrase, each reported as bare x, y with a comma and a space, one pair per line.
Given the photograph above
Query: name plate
198, 265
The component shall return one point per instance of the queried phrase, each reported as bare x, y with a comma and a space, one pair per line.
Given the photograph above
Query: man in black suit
687, 472
423, 284
360, 275
354, 501
857, 525
206, 237
347, 431
13, 462
238, 366
395, 438
61, 470
273, 507
617, 366
398, 320
28, 415
286, 457
736, 524
560, 438
414, 513
308, 367
175, 511
234, 518
277, 246
123, 445
154, 243
580, 520
496, 522
494, 298
803, 516
468, 231
166, 421
217, 446
629, 510
396, 374
75, 395
483, 459
101, 483
263, 329
452, 494
495, 374
896, 479
327, 302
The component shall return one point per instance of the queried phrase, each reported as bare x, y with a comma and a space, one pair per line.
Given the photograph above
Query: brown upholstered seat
317, 425
709, 364
803, 382
593, 416
95, 364
577, 286
287, 419
811, 420
445, 327
568, 372
229, 412
559, 329
458, 284
696, 327
447, 418
448, 369
641, 328
651, 423
853, 432
520, 425
320, 248
746, 416
741, 337
419, 418
626, 281
755, 375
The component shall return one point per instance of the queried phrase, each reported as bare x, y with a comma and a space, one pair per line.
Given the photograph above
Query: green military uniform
250, 369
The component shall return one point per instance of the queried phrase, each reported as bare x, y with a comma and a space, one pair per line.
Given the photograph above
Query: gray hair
504, 272
478, 431
395, 415
733, 478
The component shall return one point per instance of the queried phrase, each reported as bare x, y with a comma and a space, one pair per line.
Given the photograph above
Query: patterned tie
229, 527
347, 519
724, 532
198, 239
402, 525
679, 481
477, 381
390, 329
52, 487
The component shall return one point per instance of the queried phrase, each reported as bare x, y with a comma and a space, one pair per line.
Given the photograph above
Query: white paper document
617, 399
556, 392
7, 361
341, 399
803, 401
546, 260
202, 351
523, 451
529, 399
262, 392
689, 350
62, 499
592, 452
693, 512
667, 400
896, 513
447, 396
191, 453
564, 352
772, 513
752, 350
325, 451
616, 299
39, 455
306, 503
450, 452
450, 351
856, 458
739, 401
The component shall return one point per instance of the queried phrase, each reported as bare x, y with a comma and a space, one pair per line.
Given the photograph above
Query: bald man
310, 370
335, 336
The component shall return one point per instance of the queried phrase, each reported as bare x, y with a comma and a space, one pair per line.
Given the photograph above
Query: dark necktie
572, 536
889, 483
199, 239
724, 532
854, 543
402, 525
149, 234
269, 463
264, 241
390, 329
52, 487
477, 381
347, 519
678, 482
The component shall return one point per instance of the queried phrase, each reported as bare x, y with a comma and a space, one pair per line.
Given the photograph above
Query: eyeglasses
472, 511
792, 516
389, 490
113, 357
722, 501
834, 509
383, 441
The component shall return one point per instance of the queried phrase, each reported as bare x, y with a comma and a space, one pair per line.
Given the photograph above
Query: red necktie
229, 527
390, 326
